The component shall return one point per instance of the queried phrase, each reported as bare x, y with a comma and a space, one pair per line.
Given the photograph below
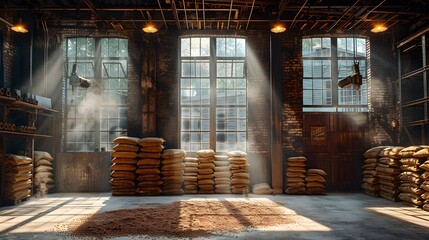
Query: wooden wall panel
335, 142
82, 172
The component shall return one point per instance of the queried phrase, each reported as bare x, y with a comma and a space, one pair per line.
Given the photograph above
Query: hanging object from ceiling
150, 28
355, 79
278, 28
378, 28
78, 81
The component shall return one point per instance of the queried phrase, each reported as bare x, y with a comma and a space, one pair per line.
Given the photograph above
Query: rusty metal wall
82, 172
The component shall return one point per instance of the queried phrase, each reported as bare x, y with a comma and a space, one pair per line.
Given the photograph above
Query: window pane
185, 47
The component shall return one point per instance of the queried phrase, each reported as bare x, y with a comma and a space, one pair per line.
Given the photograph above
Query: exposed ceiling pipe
229, 16
196, 10
250, 15
366, 15
186, 14
94, 11
175, 15
162, 13
293, 22
204, 16
344, 14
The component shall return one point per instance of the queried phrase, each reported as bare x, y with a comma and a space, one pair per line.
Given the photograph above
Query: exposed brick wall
8, 48
292, 95
383, 92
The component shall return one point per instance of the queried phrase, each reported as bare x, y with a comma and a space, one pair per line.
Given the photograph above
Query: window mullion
334, 72
213, 103
98, 79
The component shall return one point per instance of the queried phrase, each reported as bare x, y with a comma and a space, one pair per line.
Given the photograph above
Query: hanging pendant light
278, 28
379, 28
150, 28
19, 27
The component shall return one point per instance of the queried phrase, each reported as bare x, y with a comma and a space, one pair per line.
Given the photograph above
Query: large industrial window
326, 61
213, 94
96, 115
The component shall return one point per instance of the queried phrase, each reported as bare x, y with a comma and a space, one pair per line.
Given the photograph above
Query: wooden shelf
20, 105
24, 134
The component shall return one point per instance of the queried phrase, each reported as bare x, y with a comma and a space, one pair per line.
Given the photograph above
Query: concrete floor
333, 216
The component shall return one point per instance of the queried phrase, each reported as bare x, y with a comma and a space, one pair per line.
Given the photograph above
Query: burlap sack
172, 160
244, 175
190, 191
171, 186
125, 148
425, 176
43, 162
370, 160
19, 169
172, 179
373, 152
413, 190
191, 169
369, 187
148, 171
15, 160
409, 151
14, 196
297, 159
234, 171
153, 149
205, 153
239, 181
172, 172
315, 178
155, 155
411, 198
205, 160
151, 141
236, 153
394, 152
123, 167
13, 178
173, 153
369, 172
369, 166
410, 161
389, 161
208, 187
222, 169
190, 178
389, 170
422, 153
122, 182
38, 155
315, 190
131, 161
149, 183
316, 171
124, 154
122, 174
222, 180
191, 164
221, 163
149, 162
206, 166
425, 165
148, 177
290, 180
126, 140
205, 171
173, 167
221, 158
295, 184
315, 184
191, 159
191, 186
222, 174
295, 174
205, 181
410, 168
296, 169
205, 176
43, 168
18, 186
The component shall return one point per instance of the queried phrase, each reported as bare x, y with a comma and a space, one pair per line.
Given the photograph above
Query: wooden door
335, 142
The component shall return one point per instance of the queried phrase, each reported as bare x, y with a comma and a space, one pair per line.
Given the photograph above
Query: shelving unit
21, 114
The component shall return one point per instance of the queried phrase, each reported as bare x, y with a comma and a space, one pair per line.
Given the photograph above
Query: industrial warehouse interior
214, 119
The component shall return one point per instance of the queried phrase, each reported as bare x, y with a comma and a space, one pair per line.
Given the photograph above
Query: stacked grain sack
18, 173
410, 176
172, 171
205, 171
124, 165
425, 184
222, 174
370, 179
190, 177
239, 171
43, 172
295, 175
388, 170
149, 160
315, 181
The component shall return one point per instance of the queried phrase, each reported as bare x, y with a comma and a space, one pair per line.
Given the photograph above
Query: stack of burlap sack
295, 175
410, 176
190, 177
239, 166
206, 168
425, 185
124, 165
43, 172
149, 160
17, 181
370, 177
388, 170
222, 174
172, 171
315, 181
